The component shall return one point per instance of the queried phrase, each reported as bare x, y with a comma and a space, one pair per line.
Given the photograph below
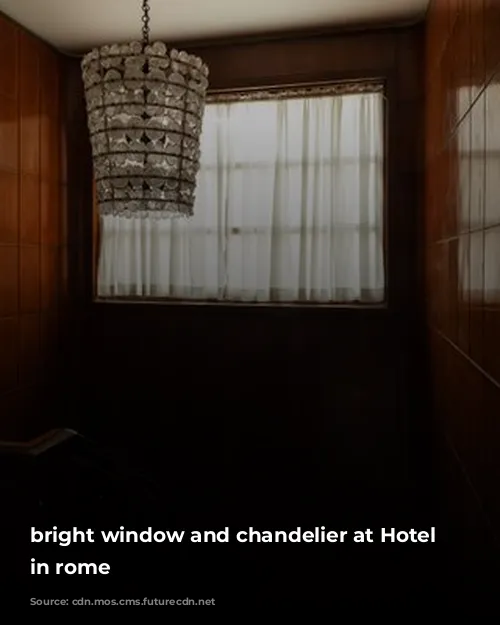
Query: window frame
256, 93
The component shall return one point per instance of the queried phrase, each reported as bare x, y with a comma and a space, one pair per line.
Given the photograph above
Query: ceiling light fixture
145, 107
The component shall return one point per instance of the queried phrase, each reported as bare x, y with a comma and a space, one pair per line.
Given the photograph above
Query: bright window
289, 208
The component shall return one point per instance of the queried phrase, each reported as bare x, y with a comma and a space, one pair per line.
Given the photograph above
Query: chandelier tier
145, 108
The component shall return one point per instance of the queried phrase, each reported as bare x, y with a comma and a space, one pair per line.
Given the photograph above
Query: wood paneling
226, 391
462, 244
31, 241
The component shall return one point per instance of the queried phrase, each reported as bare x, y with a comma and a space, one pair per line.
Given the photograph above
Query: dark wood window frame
391, 55
259, 93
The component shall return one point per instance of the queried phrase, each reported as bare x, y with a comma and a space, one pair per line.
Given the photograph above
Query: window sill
142, 301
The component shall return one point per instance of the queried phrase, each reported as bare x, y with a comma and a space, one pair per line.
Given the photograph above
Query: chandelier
145, 107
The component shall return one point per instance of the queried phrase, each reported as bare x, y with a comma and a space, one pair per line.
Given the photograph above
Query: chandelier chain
145, 20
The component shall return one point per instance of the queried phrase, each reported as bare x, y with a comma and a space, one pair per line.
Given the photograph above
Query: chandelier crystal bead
145, 108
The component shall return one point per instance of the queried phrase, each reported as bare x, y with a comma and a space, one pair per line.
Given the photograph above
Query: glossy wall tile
462, 232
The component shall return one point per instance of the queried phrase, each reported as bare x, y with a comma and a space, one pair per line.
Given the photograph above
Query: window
289, 207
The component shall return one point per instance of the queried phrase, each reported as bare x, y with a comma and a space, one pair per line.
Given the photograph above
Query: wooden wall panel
32, 243
220, 388
462, 243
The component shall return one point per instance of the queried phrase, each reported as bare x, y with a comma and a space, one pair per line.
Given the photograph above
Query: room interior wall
462, 257
33, 231
212, 389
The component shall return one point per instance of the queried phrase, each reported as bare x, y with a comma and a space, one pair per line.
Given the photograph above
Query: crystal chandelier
145, 107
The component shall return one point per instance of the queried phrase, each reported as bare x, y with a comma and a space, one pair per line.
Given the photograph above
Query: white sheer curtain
289, 208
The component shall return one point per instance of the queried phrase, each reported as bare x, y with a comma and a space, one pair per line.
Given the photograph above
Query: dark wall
227, 386
462, 242
33, 233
